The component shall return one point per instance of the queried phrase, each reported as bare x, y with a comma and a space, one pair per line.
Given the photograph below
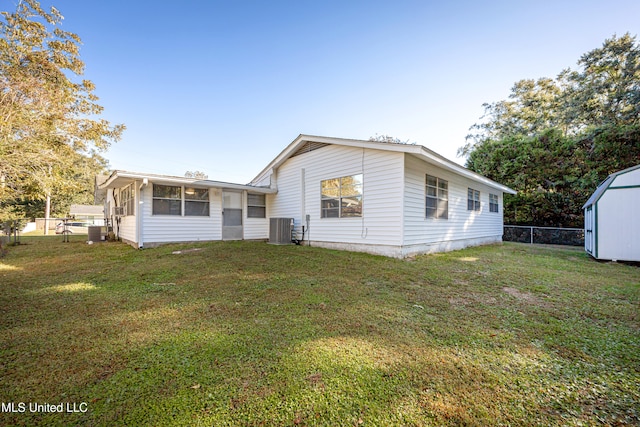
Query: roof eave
115, 179
417, 150
302, 138
604, 185
438, 160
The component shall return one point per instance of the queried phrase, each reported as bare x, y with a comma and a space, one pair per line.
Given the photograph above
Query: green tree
389, 139
533, 106
49, 131
543, 169
604, 91
554, 140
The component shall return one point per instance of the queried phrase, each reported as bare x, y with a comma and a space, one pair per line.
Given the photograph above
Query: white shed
611, 224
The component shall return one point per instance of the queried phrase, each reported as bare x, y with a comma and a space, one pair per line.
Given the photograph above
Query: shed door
588, 230
231, 215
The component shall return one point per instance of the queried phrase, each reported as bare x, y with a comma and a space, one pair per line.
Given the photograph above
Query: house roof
86, 210
121, 178
604, 185
419, 151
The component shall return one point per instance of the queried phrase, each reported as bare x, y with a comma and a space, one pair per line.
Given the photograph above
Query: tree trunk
47, 211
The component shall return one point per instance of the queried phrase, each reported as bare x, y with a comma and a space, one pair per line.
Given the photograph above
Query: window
341, 197
196, 202
437, 198
473, 200
493, 203
127, 200
167, 200
256, 206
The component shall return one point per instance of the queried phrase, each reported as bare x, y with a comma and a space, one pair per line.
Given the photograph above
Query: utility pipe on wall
139, 212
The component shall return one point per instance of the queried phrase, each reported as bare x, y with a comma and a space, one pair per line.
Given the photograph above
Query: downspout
364, 231
115, 220
303, 202
403, 196
139, 213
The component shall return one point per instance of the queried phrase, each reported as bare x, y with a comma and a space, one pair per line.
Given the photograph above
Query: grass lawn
245, 333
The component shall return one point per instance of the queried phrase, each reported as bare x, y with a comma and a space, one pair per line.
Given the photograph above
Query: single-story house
611, 225
384, 198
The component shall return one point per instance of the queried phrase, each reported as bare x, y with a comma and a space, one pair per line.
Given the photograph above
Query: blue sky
223, 86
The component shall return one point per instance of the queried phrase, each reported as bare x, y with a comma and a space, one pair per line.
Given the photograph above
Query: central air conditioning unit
118, 211
280, 231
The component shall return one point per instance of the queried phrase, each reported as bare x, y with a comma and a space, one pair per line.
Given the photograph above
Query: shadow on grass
246, 333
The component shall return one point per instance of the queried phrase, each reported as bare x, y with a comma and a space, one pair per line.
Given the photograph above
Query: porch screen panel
196, 202
167, 200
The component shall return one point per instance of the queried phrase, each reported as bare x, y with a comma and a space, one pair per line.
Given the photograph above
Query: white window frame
341, 199
154, 198
184, 200
127, 200
196, 201
257, 207
473, 200
494, 203
440, 196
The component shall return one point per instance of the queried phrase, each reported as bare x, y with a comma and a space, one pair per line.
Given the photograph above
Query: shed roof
604, 185
416, 150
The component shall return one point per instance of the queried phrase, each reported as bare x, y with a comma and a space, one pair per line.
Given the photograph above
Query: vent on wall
280, 231
308, 146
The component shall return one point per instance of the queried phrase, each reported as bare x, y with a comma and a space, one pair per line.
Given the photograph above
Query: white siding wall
169, 228
264, 181
125, 228
254, 228
381, 222
618, 228
463, 226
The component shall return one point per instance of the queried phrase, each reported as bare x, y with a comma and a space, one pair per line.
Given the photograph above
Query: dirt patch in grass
245, 333
472, 300
525, 297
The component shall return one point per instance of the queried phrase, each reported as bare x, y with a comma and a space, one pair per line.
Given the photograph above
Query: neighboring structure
93, 214
383, 198
611, 225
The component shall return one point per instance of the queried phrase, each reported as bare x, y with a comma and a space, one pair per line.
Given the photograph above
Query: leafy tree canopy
389, 139
50, 138
554, 140
604, 91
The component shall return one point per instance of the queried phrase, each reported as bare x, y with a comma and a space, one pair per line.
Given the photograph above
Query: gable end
308, 147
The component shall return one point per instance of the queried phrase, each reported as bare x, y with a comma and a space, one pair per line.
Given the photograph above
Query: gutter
176, 180
419, 151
